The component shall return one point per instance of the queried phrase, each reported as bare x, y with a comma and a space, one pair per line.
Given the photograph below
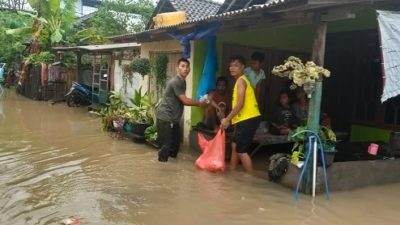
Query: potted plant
328, 139
127, 76
159, 67
302, 75
151, 135
141, 66
113, 114
143, 112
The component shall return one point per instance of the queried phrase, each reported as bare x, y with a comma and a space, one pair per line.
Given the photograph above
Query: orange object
213, 157
169, 19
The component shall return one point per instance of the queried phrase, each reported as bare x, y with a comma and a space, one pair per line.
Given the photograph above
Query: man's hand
224, 123
204, 103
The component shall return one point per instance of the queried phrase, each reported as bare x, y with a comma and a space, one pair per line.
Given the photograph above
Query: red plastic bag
213, 157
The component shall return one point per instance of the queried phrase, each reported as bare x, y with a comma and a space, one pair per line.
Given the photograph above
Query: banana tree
50, 23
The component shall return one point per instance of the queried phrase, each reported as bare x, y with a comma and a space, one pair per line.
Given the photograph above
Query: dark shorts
244, 133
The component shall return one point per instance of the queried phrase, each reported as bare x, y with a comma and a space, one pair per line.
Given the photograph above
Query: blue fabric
208, 80
199, 33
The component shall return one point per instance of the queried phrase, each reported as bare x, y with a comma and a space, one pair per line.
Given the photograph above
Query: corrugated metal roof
231, 5
98, 47
270, 3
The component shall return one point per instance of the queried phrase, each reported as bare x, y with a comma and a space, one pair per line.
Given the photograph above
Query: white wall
118, 84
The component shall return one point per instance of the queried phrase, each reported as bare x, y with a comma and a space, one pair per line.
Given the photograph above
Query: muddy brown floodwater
56, 162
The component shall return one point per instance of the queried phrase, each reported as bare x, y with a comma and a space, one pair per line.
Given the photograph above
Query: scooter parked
78, 95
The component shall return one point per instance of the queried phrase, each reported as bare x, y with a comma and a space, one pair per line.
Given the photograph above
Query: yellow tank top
250, 107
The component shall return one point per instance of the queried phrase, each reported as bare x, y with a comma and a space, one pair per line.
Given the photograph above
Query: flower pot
329, 158
139, 128
128, 127
118, 124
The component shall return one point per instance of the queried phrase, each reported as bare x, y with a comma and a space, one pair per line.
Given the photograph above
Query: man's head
183, 67
222, 83
236, 66
257, 58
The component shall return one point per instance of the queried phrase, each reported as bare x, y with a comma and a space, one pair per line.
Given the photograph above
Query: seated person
284, 120
219, 106
300, 108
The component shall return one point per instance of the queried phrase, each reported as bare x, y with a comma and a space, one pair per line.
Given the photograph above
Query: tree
50, 22
11, 46
13, 4
122, 16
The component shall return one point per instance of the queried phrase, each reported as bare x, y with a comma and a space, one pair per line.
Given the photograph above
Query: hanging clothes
389, 26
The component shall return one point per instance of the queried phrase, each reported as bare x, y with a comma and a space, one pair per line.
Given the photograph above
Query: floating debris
71, 221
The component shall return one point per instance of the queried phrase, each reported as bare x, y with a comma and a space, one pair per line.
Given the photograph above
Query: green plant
144, 107
159, 69
300, 73
328, 138
127, 76
42, 57
150, 134
115, 110
141, 66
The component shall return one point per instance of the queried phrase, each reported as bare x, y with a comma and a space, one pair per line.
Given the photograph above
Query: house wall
160, 46
118, 83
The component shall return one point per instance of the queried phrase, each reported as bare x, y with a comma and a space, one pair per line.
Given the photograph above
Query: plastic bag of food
213, 152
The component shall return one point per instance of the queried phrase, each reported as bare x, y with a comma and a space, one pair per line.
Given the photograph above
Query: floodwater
55, 162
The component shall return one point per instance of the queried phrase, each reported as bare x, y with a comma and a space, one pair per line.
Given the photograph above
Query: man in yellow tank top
245, 115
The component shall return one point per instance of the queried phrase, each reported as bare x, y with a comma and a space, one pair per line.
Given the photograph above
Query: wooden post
314, 109
318, 57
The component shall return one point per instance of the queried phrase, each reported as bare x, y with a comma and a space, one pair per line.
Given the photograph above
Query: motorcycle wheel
71, 101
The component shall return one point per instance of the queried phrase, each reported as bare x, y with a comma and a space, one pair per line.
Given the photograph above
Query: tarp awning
389, 25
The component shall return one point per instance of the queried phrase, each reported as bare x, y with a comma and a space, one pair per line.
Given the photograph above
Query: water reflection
55, 162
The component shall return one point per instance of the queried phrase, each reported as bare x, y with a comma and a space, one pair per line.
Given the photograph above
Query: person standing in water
170, 111
245, 115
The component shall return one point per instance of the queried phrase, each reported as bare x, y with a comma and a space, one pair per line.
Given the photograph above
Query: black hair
259, 56
239, 58
223, 79
182, 60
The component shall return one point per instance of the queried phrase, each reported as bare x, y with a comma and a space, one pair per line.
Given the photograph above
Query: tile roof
268, 4
216, 17
196, 9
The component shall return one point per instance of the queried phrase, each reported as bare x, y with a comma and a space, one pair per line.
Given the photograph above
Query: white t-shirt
253, 77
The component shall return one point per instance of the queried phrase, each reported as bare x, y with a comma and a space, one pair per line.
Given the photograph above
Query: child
285, 119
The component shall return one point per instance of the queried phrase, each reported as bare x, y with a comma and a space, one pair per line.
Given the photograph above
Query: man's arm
190, 102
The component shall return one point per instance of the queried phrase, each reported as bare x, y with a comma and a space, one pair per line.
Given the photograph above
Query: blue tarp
199, 33
389, 25
207, 80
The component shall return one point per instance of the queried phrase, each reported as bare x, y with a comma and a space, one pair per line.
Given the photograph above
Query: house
103, 68
348, 43
195, 10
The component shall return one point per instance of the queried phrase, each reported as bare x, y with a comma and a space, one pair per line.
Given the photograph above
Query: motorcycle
78, 95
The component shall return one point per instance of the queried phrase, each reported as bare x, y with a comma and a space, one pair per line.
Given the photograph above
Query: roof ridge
206, 1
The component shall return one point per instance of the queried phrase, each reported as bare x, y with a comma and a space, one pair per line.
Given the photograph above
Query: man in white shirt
255, 73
